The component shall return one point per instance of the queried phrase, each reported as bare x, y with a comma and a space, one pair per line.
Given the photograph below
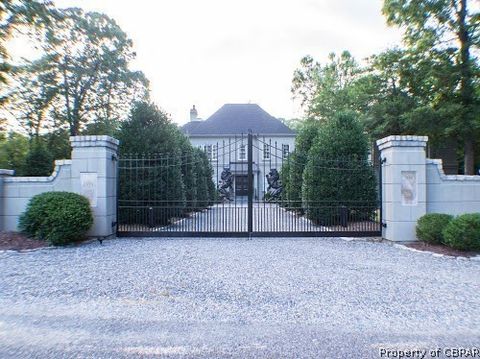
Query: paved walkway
267, 217
263, 298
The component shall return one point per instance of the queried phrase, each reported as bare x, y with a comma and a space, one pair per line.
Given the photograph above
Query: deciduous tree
88, 57
446, 29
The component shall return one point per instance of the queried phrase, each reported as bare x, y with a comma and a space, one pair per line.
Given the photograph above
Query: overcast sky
212, 52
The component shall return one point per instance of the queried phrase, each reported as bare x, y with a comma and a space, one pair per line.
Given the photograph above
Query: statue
225, 185
275, 187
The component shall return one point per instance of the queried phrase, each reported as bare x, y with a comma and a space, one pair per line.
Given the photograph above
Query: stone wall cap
402, 141
6, 172
437, 163
59, 164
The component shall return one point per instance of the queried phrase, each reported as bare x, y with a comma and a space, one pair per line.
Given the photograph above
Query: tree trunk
466, 88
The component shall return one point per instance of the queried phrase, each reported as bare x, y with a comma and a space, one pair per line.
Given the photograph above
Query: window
208, 150
211, 151
242, 153
266, 151
214, 152
285, 150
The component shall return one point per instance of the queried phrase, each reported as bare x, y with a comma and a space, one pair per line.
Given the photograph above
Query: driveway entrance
249, 199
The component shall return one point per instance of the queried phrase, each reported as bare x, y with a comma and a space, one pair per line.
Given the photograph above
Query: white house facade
223, 136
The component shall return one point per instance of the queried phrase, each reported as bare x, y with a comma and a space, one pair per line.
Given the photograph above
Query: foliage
206, 190
298, 160
39, 161
58, 143
33, 157
430, 226
190, 175
18, 15
441, 38
463, 232
171, 177
285, 180
324, 90
13, 151
388, 100
338, 173
152, 125
158, 177
31, 97
57, 217
82, 78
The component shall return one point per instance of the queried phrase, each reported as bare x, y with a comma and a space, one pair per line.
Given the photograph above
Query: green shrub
298, 160
285, 180
463, 232
57, 217
338, 173
430, 227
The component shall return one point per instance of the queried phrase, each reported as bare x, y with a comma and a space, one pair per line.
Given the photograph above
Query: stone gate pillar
403, 185
3, 205
94, 175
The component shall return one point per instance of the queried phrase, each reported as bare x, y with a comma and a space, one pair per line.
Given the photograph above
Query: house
223, 136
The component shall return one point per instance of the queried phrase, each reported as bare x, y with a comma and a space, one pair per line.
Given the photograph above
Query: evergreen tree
155, 178
298, 160
338, 173
39, 161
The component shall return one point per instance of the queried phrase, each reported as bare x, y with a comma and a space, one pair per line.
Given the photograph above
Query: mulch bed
18, 241
441, 249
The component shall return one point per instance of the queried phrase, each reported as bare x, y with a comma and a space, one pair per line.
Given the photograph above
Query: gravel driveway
208, 298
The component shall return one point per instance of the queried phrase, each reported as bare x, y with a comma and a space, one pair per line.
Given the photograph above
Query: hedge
430, 227
463, 232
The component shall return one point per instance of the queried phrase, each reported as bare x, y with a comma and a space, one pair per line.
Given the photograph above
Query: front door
241, 185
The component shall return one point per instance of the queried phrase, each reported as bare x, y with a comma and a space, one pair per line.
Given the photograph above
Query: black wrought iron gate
247, 185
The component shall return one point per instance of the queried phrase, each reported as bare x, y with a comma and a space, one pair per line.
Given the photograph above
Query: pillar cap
402, 141
94, 141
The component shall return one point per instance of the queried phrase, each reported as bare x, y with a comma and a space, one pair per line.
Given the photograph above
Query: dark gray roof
233, 119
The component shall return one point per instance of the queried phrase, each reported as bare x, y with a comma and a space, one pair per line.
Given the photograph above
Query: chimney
193, 114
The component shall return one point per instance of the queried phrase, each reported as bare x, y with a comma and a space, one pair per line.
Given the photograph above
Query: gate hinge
114, 223
384, 225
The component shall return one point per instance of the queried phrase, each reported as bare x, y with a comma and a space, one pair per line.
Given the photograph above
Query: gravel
240, 298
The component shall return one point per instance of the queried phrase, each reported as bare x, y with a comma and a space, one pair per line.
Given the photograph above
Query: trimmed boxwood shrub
463, 232
431, 226
57, 217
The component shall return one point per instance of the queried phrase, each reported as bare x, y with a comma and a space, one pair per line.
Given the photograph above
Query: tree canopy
444, 35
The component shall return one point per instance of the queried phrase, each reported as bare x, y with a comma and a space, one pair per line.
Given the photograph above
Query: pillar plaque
88, 183
409, 188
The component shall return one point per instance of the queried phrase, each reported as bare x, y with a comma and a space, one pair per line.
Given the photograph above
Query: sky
211, 52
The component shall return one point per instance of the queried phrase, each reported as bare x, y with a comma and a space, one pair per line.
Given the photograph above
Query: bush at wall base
463, 232
57, 217
430, 226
